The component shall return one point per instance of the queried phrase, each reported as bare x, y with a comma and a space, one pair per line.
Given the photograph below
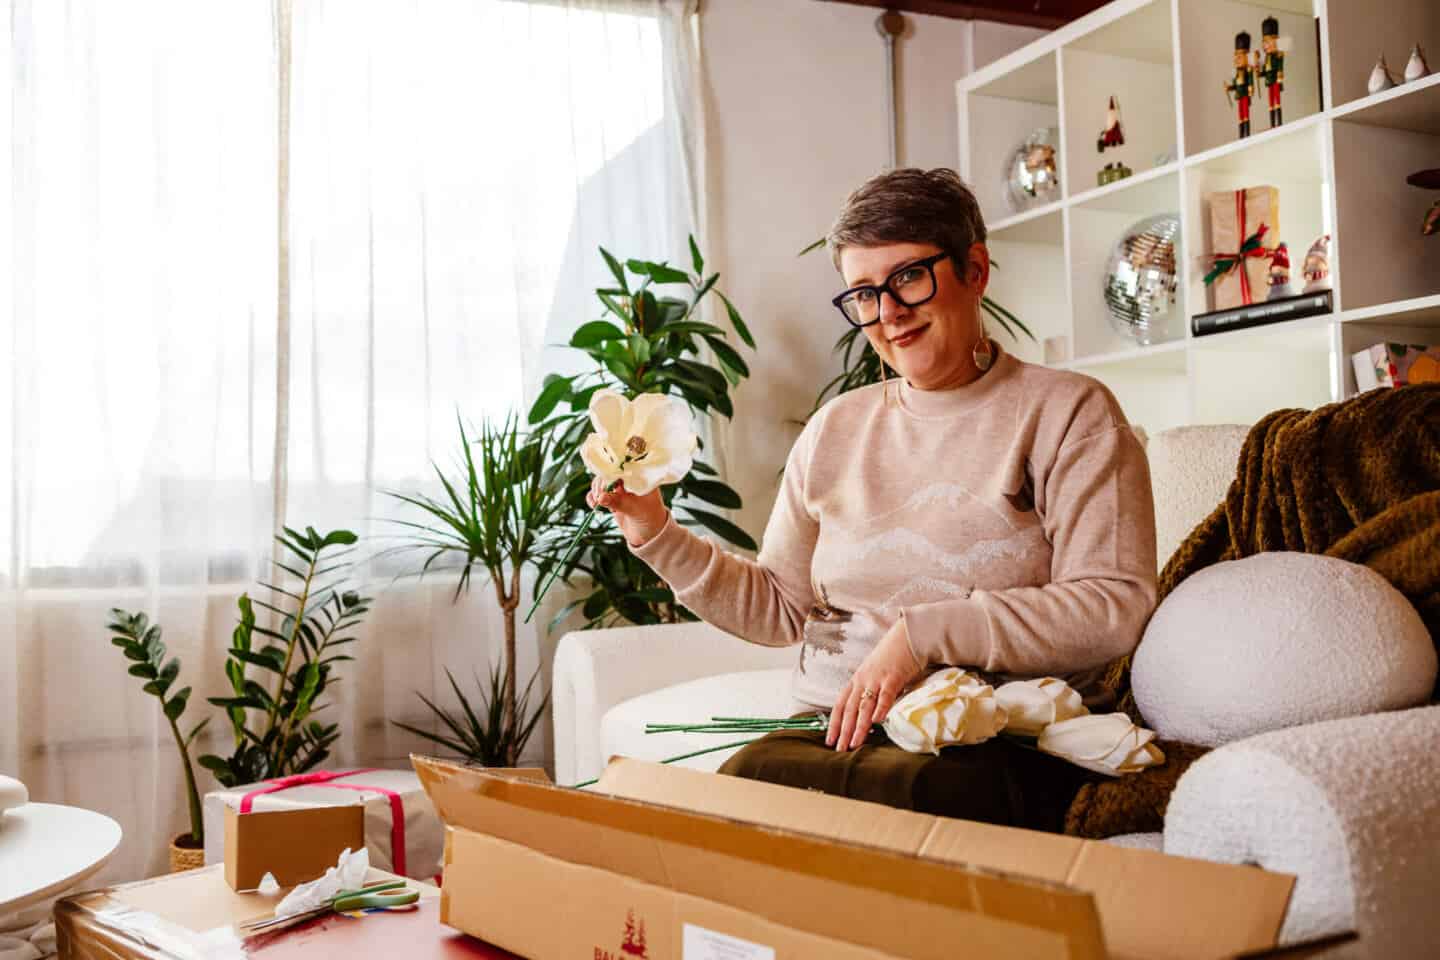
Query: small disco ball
1032, 173
1140, 280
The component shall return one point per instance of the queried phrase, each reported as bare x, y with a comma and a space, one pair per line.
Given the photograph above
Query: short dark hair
910, 205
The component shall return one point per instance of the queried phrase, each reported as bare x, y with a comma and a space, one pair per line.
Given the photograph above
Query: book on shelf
1258, 314
1395, 365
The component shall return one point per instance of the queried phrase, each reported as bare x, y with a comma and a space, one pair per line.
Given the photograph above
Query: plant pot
185, 855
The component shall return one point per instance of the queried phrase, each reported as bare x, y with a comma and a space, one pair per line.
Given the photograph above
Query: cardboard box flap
802, 881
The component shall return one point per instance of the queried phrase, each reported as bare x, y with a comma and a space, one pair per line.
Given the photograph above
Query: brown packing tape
294, 845
819, 886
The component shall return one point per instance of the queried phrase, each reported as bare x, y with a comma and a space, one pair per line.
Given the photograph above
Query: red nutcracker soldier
1241, 87
1272, 70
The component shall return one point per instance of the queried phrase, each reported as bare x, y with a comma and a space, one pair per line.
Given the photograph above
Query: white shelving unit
1339, 162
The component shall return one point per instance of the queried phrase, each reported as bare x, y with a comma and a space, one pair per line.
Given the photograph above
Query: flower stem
554, 571
683, 756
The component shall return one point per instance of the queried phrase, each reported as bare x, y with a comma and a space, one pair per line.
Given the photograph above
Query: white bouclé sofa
1350, 806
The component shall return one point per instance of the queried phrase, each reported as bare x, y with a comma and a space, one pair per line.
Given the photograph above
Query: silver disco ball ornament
1032, 171
1140, 280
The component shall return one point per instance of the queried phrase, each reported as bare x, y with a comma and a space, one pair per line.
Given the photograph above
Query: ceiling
1047, 14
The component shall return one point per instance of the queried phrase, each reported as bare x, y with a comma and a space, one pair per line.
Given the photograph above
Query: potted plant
493, 517
644, 343
140, 641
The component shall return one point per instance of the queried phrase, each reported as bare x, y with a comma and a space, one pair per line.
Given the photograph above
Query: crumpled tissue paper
348, 874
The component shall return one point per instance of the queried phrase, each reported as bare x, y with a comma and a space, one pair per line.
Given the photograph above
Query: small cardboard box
669, 863
295, 845
396, 812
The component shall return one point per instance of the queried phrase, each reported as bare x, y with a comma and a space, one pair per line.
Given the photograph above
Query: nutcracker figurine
1273, 67
1280, 274
1241, 88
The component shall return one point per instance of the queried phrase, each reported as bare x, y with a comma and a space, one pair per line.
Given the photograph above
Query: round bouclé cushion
1275, 640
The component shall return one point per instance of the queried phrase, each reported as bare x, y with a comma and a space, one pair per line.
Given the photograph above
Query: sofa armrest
596, 669
1350, 807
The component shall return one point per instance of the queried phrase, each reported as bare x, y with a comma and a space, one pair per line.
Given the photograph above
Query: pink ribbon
324, 779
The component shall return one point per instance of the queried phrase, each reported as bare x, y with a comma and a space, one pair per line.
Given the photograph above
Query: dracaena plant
140, 641
273, 712
493, 517
650, 339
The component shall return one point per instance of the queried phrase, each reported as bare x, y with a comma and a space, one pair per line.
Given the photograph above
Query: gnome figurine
1113, 135
1380, 78
1240, 88
1316, 268
1280, 274
1417, 67
1272, 69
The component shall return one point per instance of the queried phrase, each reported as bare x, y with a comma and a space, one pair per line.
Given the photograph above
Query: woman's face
930, 345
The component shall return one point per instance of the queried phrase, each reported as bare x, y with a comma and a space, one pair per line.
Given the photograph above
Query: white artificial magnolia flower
1032, 705
646, 442
1107, 743
950, 708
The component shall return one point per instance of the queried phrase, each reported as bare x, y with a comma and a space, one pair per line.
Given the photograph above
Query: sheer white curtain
453, 165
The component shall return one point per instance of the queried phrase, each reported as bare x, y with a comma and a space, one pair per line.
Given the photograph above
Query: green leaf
696, 261
594, 332
712, 491
616, 270
724, 528
176, 704
691, 326
639, 348
338, 538
144, 670
740, 329
814, 246
706, 286
728, 354
555, 391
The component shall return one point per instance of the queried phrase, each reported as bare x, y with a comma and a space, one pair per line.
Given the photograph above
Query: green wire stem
683, 756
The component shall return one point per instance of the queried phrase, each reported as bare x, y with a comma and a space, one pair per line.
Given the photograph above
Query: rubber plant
647, 341
273, 722
493, 517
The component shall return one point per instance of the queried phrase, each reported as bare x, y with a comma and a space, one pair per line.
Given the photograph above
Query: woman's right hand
639, 517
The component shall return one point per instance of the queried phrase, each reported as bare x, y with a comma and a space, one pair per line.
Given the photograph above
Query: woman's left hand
867, 698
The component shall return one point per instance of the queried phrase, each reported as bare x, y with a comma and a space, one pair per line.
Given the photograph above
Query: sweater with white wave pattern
1009, 522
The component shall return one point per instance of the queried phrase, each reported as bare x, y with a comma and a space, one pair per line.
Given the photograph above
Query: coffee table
46, 848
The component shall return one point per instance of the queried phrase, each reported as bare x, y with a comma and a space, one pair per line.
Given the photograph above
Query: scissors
387, 895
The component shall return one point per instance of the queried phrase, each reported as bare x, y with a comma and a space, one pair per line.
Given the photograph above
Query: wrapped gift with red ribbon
402, 831
1244, 230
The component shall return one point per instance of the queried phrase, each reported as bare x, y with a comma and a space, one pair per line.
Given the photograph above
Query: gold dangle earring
984, 353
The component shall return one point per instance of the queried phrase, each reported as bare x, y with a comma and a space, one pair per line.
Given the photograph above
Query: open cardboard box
660, 862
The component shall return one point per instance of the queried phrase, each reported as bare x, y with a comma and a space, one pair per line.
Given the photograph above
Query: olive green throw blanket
1357, 480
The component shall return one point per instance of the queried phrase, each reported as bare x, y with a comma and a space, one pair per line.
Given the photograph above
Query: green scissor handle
395, 893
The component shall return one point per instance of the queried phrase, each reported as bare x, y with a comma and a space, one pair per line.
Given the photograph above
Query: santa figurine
1316, 268
1272, 69
1241, 87
1112, 135
1280, 274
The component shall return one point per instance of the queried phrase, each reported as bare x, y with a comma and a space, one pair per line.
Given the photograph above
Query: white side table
46, 848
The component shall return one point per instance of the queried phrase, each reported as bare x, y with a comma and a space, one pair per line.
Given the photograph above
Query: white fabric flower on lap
1033, 705
1107, 743
951, 708
647, 442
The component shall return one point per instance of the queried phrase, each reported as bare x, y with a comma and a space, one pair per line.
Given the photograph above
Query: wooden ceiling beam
998, 12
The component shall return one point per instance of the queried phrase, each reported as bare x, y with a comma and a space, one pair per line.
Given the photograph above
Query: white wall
796, 120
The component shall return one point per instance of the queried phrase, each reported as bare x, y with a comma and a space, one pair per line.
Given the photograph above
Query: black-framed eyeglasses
910, 285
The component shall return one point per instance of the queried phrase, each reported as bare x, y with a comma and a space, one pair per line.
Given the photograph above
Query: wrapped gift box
1235, 215
1396, 365
397, 813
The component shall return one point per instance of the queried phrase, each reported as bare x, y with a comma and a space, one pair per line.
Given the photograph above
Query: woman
977, 511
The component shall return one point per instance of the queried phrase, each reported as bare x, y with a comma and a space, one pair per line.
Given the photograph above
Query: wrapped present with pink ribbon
1244, 232
402, 831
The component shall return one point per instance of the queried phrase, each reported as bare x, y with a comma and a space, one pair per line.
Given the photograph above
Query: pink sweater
1009, 521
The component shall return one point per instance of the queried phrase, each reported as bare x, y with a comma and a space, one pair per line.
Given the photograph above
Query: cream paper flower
1107, 743
1032, 705
646, 442
950, 708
